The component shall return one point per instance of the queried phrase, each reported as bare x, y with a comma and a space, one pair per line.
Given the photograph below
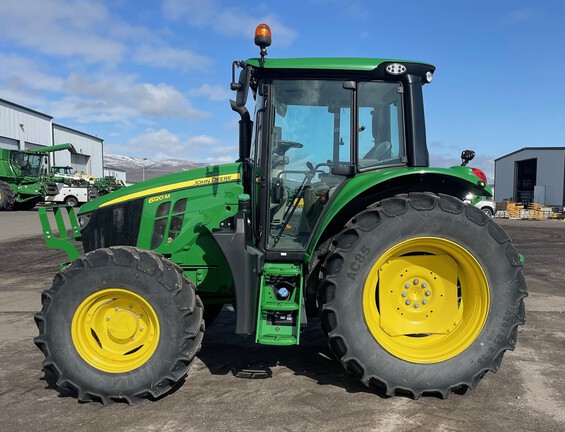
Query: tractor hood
162, 214
156, 189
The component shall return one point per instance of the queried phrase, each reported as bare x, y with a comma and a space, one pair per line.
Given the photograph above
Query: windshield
311, 133
28, 164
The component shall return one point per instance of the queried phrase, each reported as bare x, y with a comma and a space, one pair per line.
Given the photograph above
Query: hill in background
135, 168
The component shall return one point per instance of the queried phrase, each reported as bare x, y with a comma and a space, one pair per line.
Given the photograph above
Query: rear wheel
7, 196
422, 294
71, 201
120, 324
488, 211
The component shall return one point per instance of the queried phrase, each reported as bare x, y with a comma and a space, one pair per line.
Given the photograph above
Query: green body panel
360, 183
326, 63
269, 332
211, 196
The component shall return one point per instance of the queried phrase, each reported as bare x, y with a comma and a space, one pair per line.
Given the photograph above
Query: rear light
479, 174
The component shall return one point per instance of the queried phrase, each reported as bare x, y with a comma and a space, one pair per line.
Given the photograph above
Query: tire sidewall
470, 228
78, 282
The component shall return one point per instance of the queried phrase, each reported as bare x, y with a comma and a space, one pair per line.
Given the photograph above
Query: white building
22, 128
116, 173
531, 174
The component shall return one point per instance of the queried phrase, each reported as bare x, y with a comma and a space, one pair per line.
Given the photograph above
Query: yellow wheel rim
115, 330
426, 299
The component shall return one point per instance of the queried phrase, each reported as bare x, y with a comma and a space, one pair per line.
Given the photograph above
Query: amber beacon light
263, 36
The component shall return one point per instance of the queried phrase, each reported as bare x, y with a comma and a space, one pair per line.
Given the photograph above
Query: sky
151, 78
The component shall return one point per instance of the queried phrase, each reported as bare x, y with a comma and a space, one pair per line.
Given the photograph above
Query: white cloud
220, 160
25, 71
61, 28
168, 57
224, 150
153, 140
200, 141
229, 21
214, 93
116, 98
164, 144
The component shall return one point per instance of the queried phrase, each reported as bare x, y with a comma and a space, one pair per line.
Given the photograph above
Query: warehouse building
531, 175
23, 128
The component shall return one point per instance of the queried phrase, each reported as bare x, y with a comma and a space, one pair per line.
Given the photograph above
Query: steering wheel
283, 146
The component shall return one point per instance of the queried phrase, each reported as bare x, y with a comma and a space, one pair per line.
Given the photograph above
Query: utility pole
143, 169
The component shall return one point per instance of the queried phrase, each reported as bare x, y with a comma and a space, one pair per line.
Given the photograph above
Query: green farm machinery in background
331, 211
22, 176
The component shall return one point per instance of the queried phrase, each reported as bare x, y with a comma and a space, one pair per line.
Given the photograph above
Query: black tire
150, 294
488, 211
7, 196
448, 355
71, 201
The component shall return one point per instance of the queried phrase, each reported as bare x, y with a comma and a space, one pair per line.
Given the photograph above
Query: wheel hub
123, 325
418, 295
115, 330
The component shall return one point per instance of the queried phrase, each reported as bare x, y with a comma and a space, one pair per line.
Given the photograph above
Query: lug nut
407, 285
416, 305
416, 281
428, 293
425, 301
404, 294
408, 302
424, 284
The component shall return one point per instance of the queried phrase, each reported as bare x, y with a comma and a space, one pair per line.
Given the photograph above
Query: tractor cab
317, 123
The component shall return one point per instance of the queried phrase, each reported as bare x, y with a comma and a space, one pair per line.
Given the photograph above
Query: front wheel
7, 196
119, 324
422, 294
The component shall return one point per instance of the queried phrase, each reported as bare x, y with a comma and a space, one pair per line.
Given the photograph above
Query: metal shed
24, 128
531, 175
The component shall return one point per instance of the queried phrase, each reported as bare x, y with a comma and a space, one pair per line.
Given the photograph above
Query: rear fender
363, 190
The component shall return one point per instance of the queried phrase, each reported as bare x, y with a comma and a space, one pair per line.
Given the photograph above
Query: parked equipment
22, 183
331, 210
71, 196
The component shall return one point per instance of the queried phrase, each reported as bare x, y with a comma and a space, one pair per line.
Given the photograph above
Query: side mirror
242, 86
467, 156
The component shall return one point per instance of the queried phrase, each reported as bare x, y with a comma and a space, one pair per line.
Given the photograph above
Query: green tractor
22, 183
331, 211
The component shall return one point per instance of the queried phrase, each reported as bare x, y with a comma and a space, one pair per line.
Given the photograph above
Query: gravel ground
308, 390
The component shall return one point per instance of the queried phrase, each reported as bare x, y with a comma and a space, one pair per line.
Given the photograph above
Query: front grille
113, 226
162, 217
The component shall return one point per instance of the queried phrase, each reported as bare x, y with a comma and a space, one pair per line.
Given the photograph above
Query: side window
310, 134
381, 126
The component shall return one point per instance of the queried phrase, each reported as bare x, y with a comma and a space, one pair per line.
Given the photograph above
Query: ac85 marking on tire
360, 258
